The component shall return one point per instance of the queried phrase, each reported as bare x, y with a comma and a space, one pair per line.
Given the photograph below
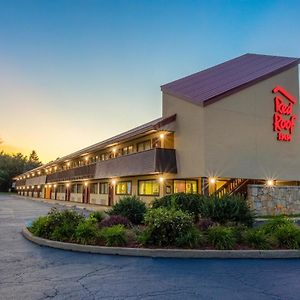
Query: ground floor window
185, 186
103, 188
77, 188
123, 188
94, 188
148, 187
61, 188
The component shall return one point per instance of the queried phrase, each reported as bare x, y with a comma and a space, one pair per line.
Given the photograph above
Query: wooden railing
230, 187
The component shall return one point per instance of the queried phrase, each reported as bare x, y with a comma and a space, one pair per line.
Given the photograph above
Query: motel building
231, 129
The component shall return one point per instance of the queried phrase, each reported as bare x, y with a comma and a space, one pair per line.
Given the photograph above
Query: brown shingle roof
212, 84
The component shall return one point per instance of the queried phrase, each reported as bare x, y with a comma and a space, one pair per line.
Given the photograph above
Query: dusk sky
73, 73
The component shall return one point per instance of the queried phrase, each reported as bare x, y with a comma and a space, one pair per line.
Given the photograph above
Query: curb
163, 253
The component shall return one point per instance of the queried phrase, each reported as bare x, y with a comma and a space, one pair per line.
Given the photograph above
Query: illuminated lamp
85, 184
161, 179
113, 182
54, 185
67, 185
162, 136
212, 180
270, 182
38, 187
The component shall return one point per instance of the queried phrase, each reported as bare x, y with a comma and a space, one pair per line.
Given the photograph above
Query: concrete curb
170, 253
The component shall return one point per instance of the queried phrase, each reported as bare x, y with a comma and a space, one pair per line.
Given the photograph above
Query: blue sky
75, 72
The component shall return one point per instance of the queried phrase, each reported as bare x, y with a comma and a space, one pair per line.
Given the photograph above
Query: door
86, 195
111, 195
67, 194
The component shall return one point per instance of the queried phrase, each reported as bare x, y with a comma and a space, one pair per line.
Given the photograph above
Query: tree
33, 161
13, 165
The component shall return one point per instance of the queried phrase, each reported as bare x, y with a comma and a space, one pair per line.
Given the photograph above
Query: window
148, 187
156, 142
73, 189
143, 146
61, 189
79, 188
123, 188
103, 188
127, 150
185, 186
94, 188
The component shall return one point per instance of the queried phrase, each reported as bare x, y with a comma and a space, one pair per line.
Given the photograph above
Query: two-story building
232, 128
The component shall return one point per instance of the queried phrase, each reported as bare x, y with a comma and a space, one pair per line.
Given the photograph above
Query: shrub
114, 235
205, 223
57, 224
190, 239
165, 226
273, 224
227, 209
130, 207
190, 203
86, 232
288, 236
222, 238
98, 216
256, 238
115, 220
40, 227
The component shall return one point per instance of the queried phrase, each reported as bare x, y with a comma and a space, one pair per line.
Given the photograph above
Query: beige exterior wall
234, 136
189, 136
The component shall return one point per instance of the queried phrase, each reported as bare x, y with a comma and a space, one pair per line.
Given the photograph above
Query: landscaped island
181, 220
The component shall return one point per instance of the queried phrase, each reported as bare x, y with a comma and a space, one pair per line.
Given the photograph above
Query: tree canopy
12, 165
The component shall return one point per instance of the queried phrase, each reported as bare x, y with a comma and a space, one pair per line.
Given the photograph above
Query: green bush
227, 209
165, 226
288, 236
190, 239
98, 216
257, 239
273, 224
114, 235
190, 203
40, 227
130, 207
87, 232
57, 224
222, 238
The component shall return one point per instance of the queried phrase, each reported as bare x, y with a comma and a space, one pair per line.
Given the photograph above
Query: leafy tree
12, 165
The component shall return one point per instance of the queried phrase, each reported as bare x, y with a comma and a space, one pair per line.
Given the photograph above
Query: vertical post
204, 186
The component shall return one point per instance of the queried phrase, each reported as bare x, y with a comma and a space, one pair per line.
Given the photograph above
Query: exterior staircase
234, 186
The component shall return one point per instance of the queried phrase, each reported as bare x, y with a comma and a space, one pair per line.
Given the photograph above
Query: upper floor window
127, 150
143, 146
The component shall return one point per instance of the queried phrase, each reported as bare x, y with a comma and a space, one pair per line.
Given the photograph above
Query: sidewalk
89, 207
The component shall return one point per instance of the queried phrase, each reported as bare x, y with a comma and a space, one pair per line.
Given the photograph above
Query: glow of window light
270, 182
161, 179
212, 180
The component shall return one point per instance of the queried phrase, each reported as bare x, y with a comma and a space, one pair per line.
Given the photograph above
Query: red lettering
283, 119
281, 108
282, 124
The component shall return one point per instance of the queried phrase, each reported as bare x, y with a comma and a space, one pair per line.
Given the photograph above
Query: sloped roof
212, 84
156, 124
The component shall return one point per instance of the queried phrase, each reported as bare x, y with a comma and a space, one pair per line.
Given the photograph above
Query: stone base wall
274, 200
